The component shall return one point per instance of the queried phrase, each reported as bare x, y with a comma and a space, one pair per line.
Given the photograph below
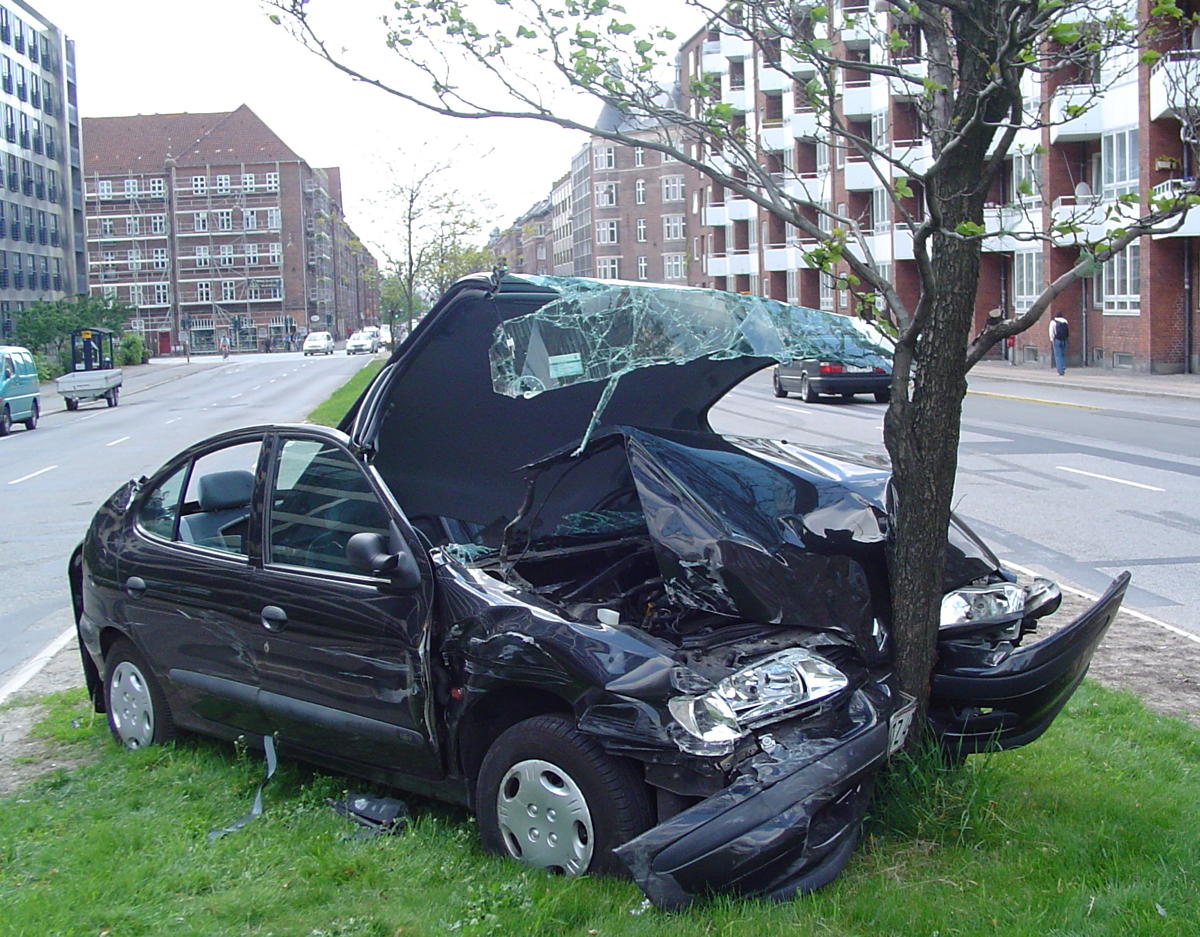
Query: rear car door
342, 654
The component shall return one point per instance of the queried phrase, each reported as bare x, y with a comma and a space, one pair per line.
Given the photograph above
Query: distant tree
47, 326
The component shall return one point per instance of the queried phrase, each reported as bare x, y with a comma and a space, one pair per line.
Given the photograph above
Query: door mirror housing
372, 554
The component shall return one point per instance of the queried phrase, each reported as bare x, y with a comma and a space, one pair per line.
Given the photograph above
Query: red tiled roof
143, 143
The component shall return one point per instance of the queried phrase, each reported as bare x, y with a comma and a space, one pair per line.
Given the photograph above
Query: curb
35, 665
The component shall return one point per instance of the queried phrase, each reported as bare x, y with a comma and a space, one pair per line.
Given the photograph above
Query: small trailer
92, 375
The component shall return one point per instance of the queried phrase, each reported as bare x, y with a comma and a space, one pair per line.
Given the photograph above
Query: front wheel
806, 390
883, 396
31, 423
5, 421
777, 384
72, 403
138, 714
551, 797
113, 396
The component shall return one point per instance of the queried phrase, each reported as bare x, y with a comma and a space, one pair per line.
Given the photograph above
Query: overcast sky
167, 56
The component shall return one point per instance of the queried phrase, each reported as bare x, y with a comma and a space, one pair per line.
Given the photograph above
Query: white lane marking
90, 416
25, 478
34, 666
1108, 478
116, 441
272, 380
173, 419
235, 396
256, 387
1183, 633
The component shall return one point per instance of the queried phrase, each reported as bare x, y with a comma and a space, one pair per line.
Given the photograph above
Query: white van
19, 400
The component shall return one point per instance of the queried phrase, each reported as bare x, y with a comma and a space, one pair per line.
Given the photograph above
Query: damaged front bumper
996, 698
786, 825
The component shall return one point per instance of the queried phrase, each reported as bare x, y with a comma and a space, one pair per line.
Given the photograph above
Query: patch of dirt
1159, 666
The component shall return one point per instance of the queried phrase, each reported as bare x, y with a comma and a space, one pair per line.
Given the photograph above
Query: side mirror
372, 554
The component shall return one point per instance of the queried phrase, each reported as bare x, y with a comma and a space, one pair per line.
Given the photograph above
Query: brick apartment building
1071, 168
42, 254
528, 245
210, 226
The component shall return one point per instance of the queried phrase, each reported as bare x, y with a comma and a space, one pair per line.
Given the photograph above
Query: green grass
1089, 831
333, 409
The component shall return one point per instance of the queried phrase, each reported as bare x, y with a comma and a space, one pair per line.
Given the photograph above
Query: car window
8, 366
320, 500
216, 506
158, 510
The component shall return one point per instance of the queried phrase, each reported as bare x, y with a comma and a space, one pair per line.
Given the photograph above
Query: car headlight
766, 691
998, 604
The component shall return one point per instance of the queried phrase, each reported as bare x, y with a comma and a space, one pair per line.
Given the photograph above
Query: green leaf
969, 229
902, 188
1074, 110
1025, 186
1064, 33
1150, 57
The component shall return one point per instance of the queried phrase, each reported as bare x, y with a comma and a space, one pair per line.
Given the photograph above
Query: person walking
1060, 331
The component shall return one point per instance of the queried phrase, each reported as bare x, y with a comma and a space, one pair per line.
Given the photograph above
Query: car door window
215, 513
161, 506
320, 500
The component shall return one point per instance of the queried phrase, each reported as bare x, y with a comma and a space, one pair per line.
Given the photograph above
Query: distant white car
318, 343
362, 343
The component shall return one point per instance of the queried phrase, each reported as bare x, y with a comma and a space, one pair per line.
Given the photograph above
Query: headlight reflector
997, 603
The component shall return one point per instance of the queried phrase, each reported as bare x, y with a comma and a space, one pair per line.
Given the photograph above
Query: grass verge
334, 408
1090, 831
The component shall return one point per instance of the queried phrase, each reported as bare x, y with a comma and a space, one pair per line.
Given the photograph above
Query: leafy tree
47, 326
967, 66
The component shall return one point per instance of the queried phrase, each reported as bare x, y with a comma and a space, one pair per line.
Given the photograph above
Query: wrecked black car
526, 576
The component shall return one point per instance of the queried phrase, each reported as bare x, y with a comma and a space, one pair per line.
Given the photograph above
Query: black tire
777, 384
5, 421
31, 423
806, 390
113, 396
72, 403
615, 796
138, 713
883, 396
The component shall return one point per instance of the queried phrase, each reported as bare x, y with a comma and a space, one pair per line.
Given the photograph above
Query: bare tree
973, 70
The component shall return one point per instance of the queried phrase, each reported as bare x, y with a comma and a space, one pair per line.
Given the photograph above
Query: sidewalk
1102, 379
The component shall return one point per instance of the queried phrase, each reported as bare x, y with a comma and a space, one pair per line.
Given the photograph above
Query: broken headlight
764, 692
977, 607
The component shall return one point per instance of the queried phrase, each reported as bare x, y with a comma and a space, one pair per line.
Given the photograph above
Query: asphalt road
53, 479
1076, 484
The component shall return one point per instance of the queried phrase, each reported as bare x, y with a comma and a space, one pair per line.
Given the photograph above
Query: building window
226, 255
131, 186
673, 267
641, 230
606, 232
639, 159
252, 290
1027, 279
1026, 178
249, 219
201, 255
639, 192
135, 259
672, 188
106, 227
223, 186
248, 182
162, 293
157, 186
160, 258
1119, 160
200, 221
158, 224
608, 268
133, 225
673, 228
136, 295
104, 188
203, 291
826, 280
822, 156
228, 290
224, 219
606, 194
272, 182
881, 210
199, 185
1123, 282
643, 268
252, 255
273, 219
604, 157
274, 253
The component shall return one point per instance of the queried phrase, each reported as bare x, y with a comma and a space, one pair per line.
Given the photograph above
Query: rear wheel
72, 403
883, 396
113, 396
551, 797
5, 421
31, 423
778, 384
138, 714
806, 390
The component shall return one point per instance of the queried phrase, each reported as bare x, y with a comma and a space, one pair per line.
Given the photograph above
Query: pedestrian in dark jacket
1060, 331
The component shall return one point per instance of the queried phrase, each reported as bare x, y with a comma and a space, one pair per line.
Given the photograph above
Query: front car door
342, 653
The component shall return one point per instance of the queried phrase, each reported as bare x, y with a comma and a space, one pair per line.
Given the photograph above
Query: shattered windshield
600, 330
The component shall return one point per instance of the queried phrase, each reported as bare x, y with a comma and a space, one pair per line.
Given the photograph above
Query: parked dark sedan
525, 576
813, 377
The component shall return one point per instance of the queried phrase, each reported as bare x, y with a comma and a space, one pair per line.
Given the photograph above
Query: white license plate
856, 369
901, 723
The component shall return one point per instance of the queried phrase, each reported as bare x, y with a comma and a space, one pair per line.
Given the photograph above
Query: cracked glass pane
598, 331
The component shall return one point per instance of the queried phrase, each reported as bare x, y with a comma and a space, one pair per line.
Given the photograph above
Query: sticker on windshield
566, 365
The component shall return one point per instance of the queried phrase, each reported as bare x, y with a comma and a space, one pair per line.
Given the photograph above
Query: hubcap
131, 707
544, 818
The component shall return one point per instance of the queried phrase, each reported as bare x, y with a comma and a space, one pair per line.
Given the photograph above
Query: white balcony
902, 242
775, 77
804, 125
916, 70
716, 215
1190, 227
717, 265
788, 256
711, 59
735, 46
859, 176
737, 98
740, 209
856, 98
1092, 215
809, 186
775, 135
1173, 83
917, 155
1086, 126
857, 24
1004, 222
741, 262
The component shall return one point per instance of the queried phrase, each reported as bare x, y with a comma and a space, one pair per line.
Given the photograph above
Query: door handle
135, 586
273, 618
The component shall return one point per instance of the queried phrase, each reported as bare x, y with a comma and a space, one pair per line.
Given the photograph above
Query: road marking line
235, 396
272, 380
115, 441
25, 478
1108, 478
1053, 403
34, 666
256, 387
91, 416
173, 419
1182, 632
